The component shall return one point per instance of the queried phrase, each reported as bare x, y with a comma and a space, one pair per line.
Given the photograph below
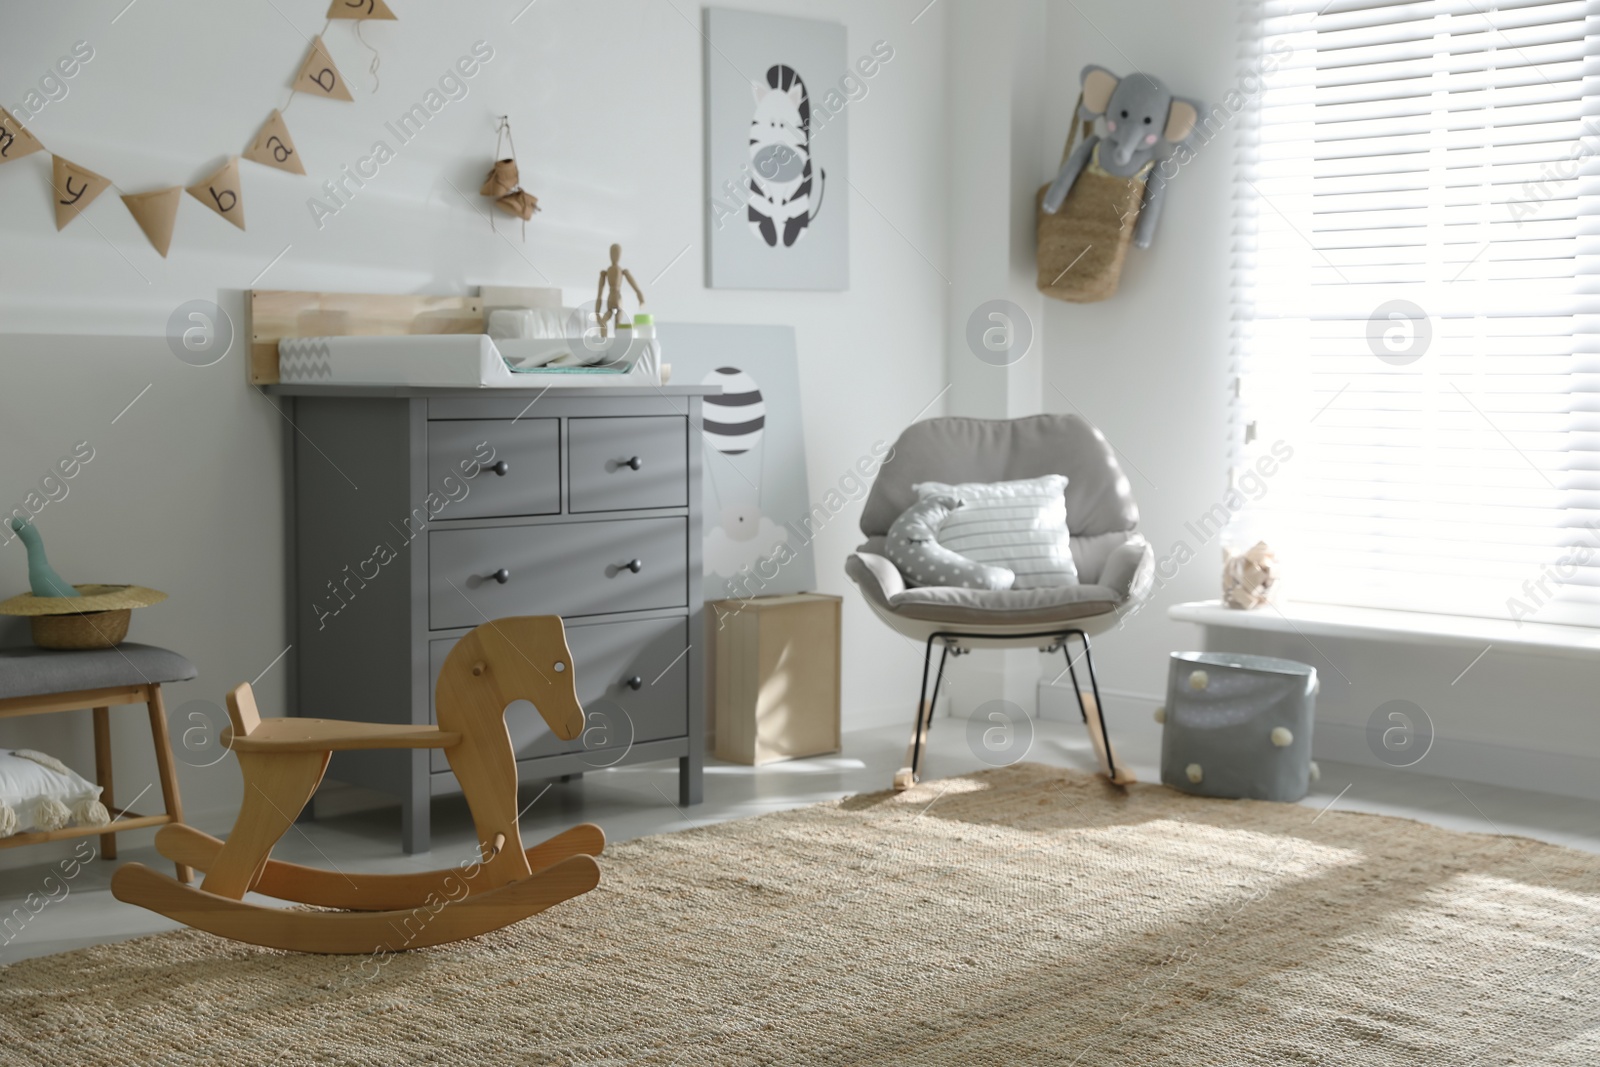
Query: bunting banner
319, 76
75, 188
273, 147
15, 140
156, 212
221, 193
359, 9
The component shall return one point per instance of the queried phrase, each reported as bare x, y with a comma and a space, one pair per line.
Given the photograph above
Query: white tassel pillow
1021, 525
39, 792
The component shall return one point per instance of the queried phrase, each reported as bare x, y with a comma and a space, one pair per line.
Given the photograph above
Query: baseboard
1511, 766
1057, 704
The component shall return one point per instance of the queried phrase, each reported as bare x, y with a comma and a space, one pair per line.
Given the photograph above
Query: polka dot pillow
913, 546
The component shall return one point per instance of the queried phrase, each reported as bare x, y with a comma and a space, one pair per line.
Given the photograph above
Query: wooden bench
38, 681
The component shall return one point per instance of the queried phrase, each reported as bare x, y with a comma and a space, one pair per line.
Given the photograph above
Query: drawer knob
499, 468
634, 463
636, 683
502, 576
634, 565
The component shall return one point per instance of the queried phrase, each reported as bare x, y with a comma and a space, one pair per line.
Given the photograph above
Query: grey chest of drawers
416, 514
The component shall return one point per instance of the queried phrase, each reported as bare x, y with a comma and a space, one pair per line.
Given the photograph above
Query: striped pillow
1021, 525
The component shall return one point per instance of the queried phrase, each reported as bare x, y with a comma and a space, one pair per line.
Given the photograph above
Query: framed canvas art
758, 509
777, 156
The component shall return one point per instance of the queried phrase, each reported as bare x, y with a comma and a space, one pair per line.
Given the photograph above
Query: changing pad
471, 361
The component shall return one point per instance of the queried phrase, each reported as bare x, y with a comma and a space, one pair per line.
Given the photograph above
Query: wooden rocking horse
283, 760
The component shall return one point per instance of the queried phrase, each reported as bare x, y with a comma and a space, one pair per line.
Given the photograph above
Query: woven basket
1083, 245
95, 629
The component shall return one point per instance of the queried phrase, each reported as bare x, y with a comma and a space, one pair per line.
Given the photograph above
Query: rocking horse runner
283, 761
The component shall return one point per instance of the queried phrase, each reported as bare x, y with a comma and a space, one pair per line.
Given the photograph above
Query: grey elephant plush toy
1144, 124
913, 546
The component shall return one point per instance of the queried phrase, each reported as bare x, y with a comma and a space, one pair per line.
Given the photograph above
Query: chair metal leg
1072, 672
910, 774
1098, 734
931, 703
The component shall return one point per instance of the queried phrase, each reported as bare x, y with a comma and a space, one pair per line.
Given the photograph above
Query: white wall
1151, 367
606, 101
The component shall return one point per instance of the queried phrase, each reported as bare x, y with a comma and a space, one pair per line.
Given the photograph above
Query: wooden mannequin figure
610, 291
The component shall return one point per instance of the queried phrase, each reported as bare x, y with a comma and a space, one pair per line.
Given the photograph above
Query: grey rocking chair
1115, 563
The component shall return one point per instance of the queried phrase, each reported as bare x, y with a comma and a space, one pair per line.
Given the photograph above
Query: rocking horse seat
335, 735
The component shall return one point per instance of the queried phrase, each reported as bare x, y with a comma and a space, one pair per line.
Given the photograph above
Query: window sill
1380, 624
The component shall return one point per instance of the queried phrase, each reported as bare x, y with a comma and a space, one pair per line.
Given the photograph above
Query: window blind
1416, 279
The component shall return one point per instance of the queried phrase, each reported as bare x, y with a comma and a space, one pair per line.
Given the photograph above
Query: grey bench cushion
30, 671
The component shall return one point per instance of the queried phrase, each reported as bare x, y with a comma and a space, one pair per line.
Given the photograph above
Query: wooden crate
774, 677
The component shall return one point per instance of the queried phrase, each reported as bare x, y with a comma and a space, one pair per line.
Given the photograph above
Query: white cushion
39, 792
1021, 525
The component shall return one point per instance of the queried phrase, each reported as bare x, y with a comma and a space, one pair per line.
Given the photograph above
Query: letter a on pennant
15, 140
74, 189
318, 75
221, 192
359, 9
273, 147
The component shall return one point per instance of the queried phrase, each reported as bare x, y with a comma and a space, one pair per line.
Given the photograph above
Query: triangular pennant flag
273, 146
318, 75
155, 212
75, 189
359, 9
221, 192
15, 140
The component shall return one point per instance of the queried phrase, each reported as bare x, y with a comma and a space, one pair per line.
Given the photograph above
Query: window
1417, 298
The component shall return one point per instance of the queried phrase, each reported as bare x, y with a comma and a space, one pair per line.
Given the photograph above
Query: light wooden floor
635, 801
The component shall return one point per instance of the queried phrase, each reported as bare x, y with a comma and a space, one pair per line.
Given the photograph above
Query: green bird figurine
41, 576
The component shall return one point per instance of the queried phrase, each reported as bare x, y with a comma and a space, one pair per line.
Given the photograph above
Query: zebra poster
777, 167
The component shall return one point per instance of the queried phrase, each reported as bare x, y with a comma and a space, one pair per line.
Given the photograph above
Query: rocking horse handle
508, 659
501, 468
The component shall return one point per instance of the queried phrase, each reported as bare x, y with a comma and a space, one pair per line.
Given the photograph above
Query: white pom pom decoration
8, 820
1194, 773
1316, 772
1282, 737
90, 812
1198, 680
50, 814
1161, 715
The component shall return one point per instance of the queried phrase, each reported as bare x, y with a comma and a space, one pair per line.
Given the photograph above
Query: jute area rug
1016, 917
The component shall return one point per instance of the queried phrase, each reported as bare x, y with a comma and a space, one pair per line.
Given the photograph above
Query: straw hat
90, 598
97, 617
